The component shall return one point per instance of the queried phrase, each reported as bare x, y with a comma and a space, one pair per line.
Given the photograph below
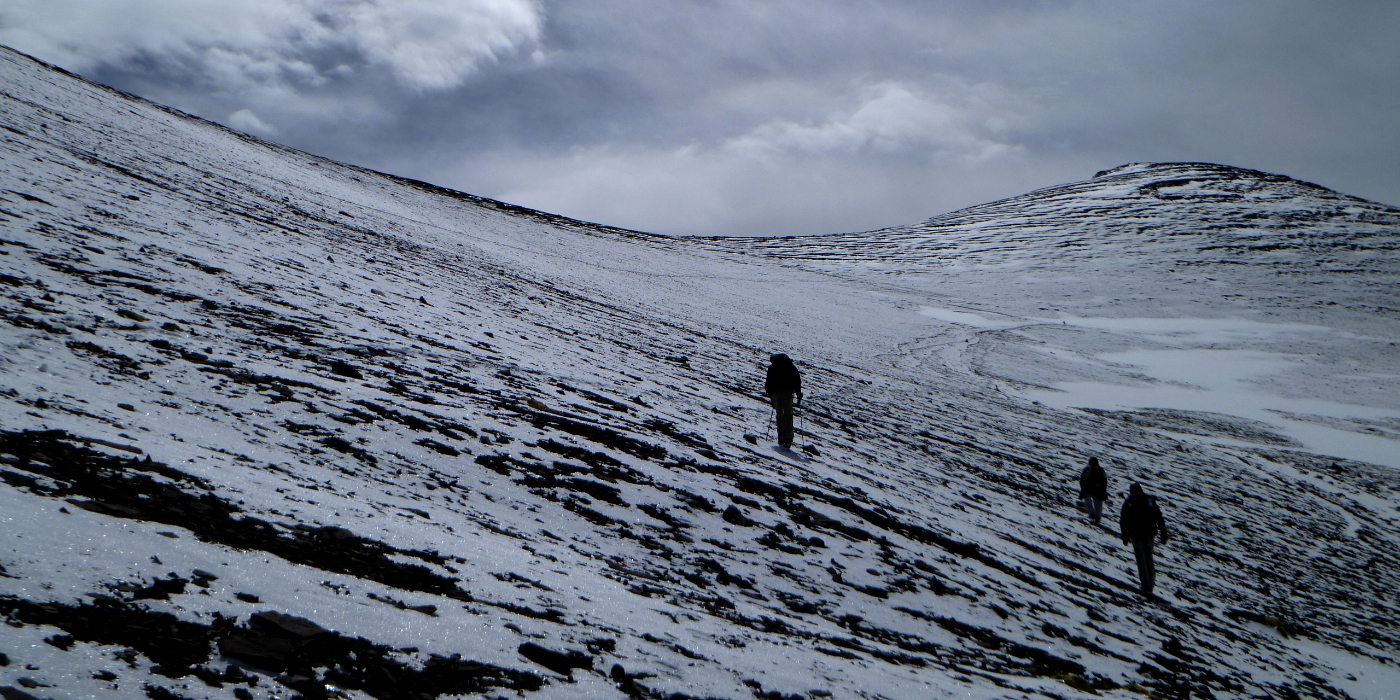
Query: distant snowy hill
274, 426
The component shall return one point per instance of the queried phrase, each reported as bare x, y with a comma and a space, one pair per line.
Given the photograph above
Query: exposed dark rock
601, 435
126, 488
345, 369
559, 662
734, 516
161, 589
272, 641
1199, 423
438, 447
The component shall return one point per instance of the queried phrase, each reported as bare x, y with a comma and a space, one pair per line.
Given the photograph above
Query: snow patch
1225, 381
967, 318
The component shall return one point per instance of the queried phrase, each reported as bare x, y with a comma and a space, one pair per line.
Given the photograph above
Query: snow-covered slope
273, 425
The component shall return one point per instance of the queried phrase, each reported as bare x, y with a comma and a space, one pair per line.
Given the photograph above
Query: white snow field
273, 426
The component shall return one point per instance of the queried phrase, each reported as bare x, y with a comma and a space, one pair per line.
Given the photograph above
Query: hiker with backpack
1093, 489
784, 383
1140, 521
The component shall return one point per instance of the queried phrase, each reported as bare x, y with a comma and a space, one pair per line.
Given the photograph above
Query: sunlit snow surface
1213, 365
438, 425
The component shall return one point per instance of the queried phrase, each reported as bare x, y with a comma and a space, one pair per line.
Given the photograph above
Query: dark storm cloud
773, 117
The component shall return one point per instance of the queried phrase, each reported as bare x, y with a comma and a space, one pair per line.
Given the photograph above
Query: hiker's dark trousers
1147, 573
782, 406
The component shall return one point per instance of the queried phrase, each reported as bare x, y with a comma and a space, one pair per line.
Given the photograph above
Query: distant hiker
1140, 521
783, 383
1093, 489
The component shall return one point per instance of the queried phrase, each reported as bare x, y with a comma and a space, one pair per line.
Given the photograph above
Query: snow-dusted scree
274, 426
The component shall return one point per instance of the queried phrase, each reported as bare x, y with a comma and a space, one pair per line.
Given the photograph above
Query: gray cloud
244, 120
779, 117
287, 45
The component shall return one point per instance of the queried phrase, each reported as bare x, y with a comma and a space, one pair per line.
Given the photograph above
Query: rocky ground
274, 426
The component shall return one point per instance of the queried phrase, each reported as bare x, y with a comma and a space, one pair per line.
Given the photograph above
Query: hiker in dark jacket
782, 385
1093, 489
1140, 521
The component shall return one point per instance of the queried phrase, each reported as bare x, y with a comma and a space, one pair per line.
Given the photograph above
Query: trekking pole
768, 430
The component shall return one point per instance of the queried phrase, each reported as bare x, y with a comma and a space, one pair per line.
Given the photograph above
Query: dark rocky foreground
274, 426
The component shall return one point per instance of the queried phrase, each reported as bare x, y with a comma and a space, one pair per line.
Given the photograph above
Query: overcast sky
769, 117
